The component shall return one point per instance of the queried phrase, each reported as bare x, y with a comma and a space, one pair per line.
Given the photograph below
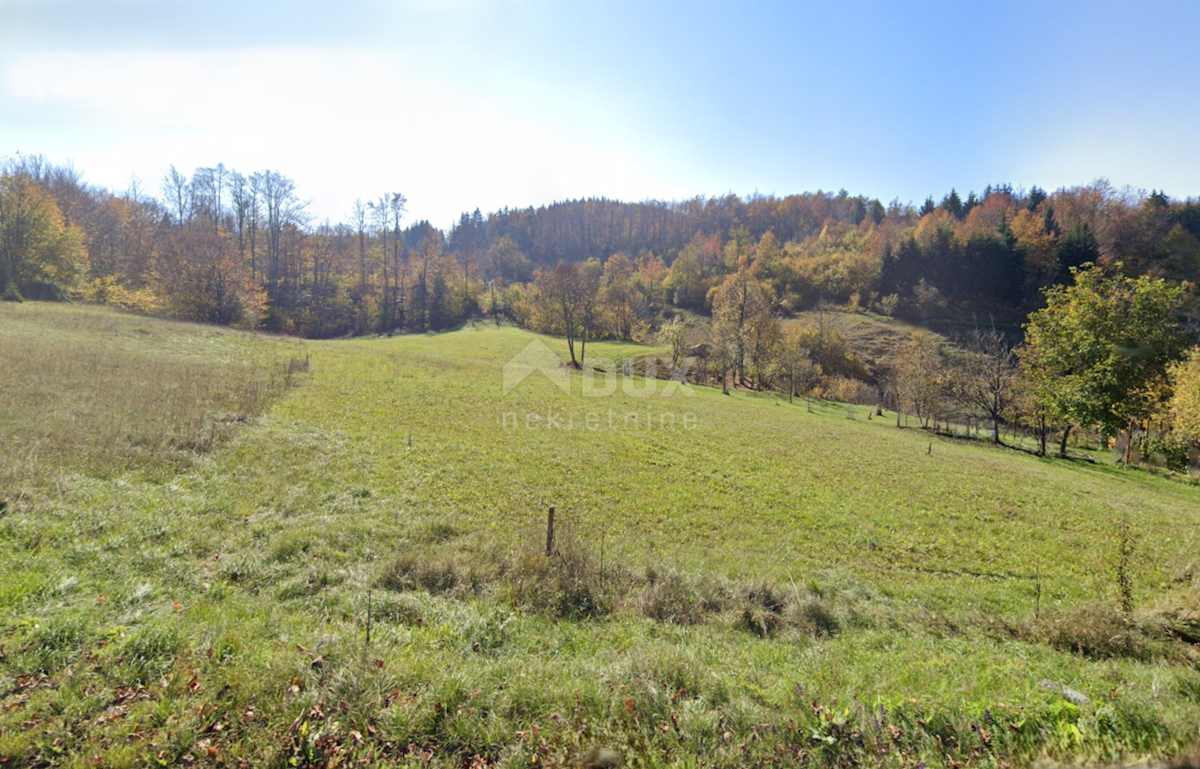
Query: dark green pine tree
972, 201
900, 267
1077, 248
479, 226
929, 207
1035, 198
953, 205
1189, 217
1049, 223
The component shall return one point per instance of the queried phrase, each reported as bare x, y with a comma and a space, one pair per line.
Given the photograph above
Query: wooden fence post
550, 532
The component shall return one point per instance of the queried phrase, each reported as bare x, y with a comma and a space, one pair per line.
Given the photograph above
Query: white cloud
344, 125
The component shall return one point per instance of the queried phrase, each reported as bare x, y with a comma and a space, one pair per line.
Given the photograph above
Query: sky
464, 104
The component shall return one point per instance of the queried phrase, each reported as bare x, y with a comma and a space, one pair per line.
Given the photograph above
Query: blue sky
491, 103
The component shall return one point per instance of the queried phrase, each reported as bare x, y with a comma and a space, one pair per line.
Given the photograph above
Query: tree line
229, 248
223, 247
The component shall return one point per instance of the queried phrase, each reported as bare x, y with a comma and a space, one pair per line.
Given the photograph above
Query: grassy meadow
227, 549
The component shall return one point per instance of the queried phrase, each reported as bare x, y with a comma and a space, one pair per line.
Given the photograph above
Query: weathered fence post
550, 532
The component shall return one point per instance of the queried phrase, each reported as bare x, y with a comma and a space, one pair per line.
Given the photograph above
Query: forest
228, 248
718, 279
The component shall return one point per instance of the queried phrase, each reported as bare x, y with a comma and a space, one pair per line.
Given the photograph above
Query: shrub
762, 609
43, 291
846, 390
1170, 452
670, 598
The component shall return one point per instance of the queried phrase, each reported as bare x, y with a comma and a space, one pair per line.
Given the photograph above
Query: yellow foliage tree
1185, 402
39, 253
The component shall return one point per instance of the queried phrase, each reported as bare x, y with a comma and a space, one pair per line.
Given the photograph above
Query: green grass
213, 613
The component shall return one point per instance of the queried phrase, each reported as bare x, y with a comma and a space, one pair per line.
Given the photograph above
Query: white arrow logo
536, 357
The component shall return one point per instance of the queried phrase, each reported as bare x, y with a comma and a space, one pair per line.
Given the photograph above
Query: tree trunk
1062, 447
570, 337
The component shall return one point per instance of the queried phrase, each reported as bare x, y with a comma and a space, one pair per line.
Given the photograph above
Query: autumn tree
589, 304
796, 364
284, 215
623, 307
741, 308
763, 334
672, 335
178, 193
1185, 401
204, 279
358, 220
397, 206
506, 261
926, 297
723, 356
918, 376
1098, 352
684, 282
380, 214
565, 290
39, 253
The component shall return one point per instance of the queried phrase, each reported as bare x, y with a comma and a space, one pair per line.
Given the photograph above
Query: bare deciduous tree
985, 377
177, 191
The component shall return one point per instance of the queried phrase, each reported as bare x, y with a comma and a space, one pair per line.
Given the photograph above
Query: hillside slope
762, 583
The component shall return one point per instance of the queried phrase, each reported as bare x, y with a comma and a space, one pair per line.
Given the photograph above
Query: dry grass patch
88, 402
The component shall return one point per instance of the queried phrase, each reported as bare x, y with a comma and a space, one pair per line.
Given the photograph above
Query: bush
1167, 451
762, 609
670, 598
846, 390
42, 291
